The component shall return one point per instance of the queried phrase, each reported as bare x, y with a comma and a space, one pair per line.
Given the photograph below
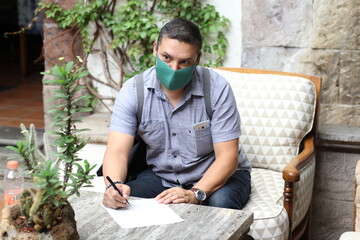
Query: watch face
200, 195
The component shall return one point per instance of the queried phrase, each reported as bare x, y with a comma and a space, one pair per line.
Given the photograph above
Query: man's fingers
111, 203
161, 195
125, 190
173, 195
180, 200
112, 198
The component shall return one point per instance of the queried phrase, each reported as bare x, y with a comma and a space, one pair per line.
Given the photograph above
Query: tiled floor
22, 103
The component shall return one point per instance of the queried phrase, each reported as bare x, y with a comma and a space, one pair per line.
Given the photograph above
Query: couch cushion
276, 113
266, 202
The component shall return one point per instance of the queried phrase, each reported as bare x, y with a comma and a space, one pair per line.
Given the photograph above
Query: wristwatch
200, 195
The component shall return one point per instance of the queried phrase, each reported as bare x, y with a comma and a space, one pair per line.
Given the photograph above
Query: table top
201, 222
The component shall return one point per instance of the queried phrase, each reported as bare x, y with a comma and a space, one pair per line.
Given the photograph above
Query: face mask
171, 79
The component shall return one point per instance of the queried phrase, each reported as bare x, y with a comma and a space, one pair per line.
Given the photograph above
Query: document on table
144, 212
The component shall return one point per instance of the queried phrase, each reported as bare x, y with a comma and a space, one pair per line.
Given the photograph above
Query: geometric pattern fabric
266, 202
276, 113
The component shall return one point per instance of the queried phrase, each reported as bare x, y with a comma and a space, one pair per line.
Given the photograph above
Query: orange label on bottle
12, 197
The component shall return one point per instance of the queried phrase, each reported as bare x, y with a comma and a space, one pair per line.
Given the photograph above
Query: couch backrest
276, 111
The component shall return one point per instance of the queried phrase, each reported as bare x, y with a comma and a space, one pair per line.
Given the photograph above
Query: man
192, 159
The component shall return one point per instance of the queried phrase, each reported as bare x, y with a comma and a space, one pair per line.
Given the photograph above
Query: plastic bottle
13, 184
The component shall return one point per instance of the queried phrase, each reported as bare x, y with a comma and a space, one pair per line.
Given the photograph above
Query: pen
114, 186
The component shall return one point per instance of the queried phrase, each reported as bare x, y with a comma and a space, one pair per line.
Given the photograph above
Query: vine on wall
122, 34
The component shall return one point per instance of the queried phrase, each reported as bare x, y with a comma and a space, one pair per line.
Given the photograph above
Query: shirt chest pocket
199, 141
153, 134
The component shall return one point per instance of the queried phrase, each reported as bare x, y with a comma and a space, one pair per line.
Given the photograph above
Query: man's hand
112, 198
177, 195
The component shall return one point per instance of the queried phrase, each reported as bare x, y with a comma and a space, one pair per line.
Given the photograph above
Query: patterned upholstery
276, 111
266, 202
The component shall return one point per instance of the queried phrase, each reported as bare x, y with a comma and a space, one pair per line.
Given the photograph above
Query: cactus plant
56, 174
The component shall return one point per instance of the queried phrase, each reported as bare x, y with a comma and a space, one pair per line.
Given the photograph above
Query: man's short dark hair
182, 30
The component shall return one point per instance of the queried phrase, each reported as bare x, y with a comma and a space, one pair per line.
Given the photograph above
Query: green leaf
53, 180
69, 140
56, 111
13, 149
74, 110
56, 203
85, 109
69, 66
83, 74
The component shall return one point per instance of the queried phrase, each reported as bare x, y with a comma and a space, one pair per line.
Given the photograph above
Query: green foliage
209, 21
133, 26
124, 33
28, 150
80, 16
43, 206
134, 29
67, 140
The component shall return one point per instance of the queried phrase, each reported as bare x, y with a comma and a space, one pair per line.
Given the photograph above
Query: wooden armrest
291, 170
291, 174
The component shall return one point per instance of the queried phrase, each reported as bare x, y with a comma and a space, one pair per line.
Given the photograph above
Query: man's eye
166, 58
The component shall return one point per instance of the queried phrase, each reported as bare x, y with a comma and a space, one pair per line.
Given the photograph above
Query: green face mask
171, 79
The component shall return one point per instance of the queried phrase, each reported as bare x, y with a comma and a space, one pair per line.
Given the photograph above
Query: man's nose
175, 66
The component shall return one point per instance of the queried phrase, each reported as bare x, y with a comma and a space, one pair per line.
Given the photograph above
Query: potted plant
57, 171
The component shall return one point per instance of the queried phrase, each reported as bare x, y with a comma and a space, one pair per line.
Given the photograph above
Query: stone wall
314, 37
322, 38
333, 197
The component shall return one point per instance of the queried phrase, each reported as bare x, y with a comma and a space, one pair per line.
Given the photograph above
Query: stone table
200, 222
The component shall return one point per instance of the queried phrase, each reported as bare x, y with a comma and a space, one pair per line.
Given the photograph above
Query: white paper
144, 212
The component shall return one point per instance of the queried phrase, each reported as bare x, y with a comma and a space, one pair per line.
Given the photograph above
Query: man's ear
198, 59
154, 49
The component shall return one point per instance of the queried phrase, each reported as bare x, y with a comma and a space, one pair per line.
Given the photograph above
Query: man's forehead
175, 47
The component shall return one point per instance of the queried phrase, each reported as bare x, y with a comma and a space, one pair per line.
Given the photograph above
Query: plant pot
10, 229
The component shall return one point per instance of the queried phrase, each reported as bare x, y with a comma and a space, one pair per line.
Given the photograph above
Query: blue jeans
234, 194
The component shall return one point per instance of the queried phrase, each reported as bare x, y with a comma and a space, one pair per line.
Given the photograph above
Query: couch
279, 113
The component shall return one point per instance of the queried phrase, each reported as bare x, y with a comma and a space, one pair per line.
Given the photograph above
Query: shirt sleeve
123, 118
225, 122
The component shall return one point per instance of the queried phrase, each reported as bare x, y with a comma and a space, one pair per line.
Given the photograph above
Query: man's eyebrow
164, 53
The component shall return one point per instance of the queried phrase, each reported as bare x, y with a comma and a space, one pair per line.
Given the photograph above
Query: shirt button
174, 134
